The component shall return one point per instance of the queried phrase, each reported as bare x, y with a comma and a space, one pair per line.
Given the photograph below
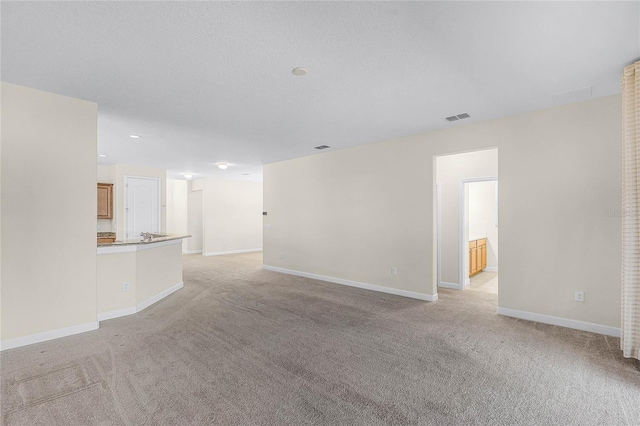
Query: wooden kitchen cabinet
105, 201
477, 256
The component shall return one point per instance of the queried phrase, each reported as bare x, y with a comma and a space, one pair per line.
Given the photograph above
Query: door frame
463, 233
438, 235
126, 202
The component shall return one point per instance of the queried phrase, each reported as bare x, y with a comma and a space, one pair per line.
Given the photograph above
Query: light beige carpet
242, 346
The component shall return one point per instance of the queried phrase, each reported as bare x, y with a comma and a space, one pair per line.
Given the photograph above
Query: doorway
454, 175
479, 230
142, 206
195, 214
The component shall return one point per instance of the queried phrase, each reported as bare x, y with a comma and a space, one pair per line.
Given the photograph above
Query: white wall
177, 208
157, 271
449, 170
48, 253
354, 213
232, 215
483, 211
151, 271
114, 270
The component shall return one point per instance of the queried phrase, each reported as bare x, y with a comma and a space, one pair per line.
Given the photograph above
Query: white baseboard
491, 269
220, 253
116, 313
562, 322
445, 284
140, 306
48, 335
158, 297
191, 251
389, 290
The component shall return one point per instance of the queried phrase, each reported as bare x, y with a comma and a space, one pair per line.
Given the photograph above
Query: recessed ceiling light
188, 176
102, 155
222, 165
299, 71
134, 136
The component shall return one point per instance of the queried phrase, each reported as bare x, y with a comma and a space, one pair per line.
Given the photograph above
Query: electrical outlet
125, 286
394, 270
579, 296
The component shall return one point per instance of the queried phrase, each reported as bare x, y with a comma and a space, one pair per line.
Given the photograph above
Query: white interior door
142, 205
194, 228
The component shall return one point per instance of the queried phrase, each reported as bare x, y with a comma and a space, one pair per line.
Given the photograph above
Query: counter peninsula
134, 274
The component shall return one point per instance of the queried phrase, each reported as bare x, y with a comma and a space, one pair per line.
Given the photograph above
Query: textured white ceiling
204, 82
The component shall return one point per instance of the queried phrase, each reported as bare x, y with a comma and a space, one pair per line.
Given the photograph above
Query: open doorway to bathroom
467, 220
480, 217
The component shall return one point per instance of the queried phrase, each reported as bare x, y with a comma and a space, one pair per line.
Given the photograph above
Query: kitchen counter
138, 240
134, 274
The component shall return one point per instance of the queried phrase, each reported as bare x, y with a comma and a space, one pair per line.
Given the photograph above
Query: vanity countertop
106, 234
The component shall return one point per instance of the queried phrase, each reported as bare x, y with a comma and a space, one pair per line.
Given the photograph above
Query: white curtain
630, 337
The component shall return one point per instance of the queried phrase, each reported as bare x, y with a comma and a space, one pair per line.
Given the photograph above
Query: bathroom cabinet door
477, 256
473, 260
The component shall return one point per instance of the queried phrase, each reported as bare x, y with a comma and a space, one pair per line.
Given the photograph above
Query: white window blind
630, 336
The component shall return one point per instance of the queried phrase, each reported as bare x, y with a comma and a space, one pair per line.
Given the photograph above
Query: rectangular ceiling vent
571, 96
458, 117
322, 147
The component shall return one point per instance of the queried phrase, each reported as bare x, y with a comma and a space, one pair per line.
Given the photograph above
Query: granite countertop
139, 240
106, 234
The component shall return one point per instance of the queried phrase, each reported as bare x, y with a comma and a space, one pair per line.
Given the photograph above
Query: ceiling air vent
458, 117
322, 147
